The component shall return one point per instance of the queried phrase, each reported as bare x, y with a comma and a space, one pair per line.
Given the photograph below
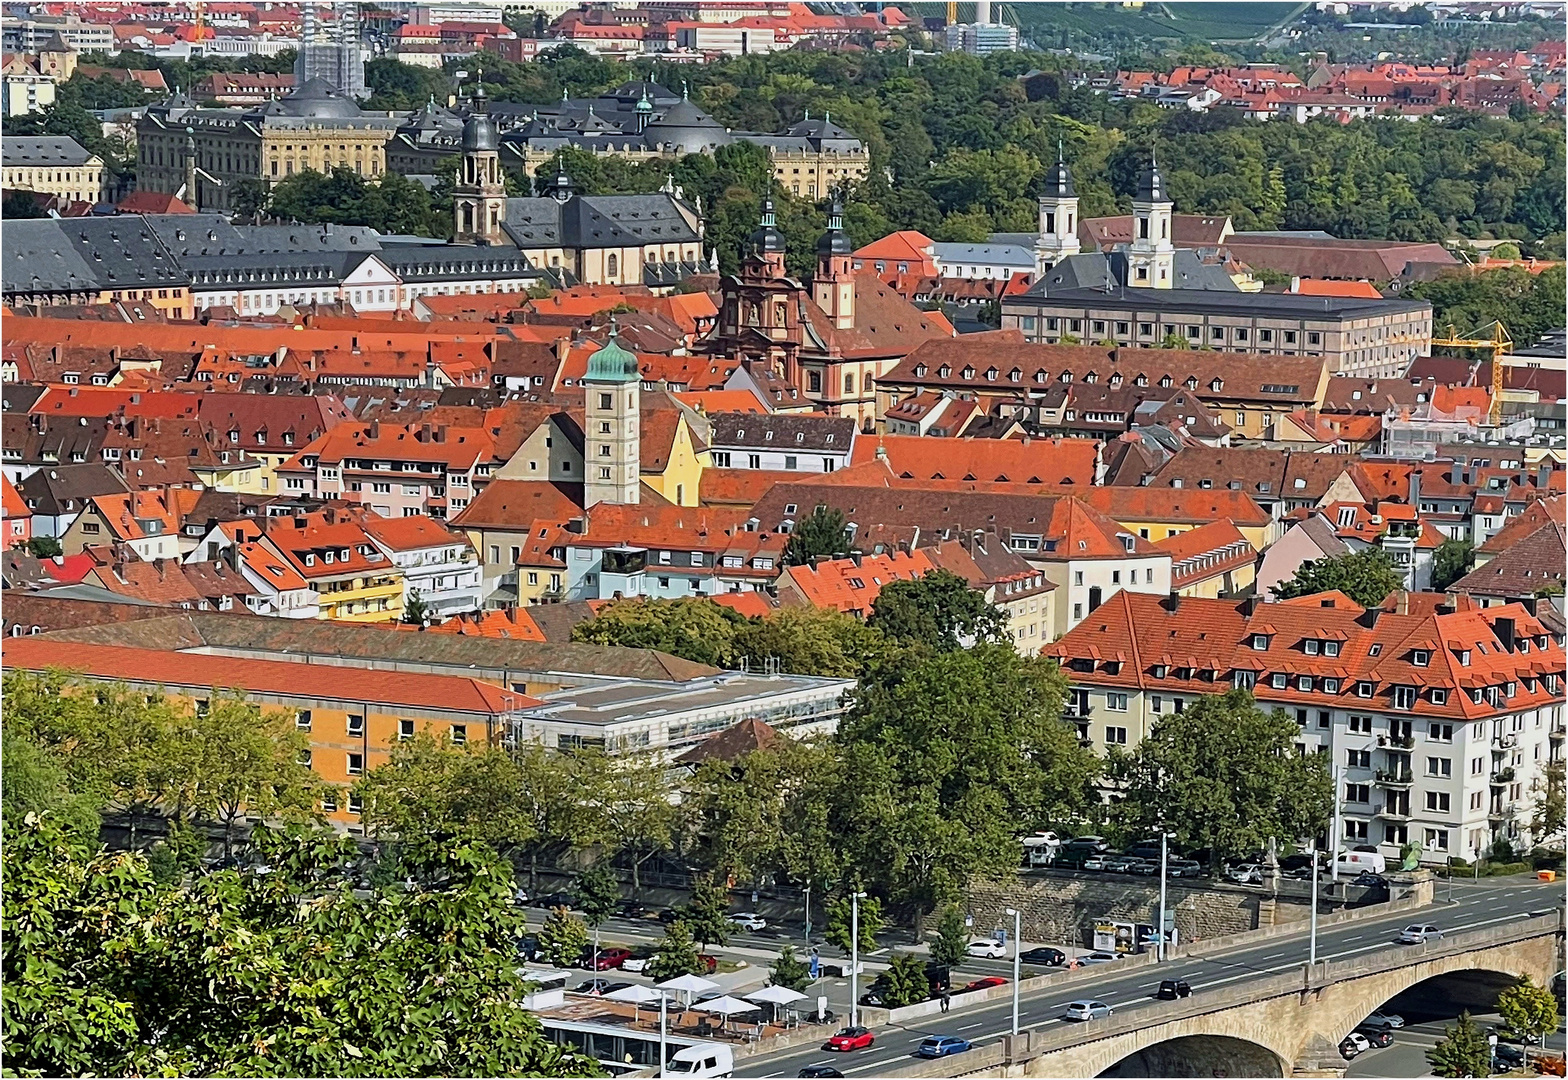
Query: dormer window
969, 372
1363, 689
1304, 683
1331, 648
1420, 657
1279, 680
1159, 671
1260, 642
1464, 657
1375, 649
1311, 646
310, 559
1439, 696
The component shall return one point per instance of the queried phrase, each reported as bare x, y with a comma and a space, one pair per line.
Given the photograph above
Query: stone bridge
1278, 1025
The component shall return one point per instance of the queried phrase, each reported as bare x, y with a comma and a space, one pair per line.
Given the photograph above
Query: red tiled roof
274, 677
1025, 461
852, 585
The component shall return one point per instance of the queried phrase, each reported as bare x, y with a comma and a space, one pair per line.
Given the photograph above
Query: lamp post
1159, 952
1333, 840
664, 1002
808, 911
1449, 859
1312, 948
1018, 944
854, 957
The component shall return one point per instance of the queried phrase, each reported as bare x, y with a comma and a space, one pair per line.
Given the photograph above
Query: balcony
1503, 776
1394, 812
1505, 742
1395, 778
1557, 733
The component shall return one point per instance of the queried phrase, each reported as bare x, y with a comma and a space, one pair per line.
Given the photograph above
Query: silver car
1419, 934
1086, 1010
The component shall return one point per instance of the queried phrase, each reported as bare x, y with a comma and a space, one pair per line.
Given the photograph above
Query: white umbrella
637, 995
776, 995
727, 1007
688, 985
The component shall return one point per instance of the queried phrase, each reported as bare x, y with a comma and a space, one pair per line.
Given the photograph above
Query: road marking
970, 1027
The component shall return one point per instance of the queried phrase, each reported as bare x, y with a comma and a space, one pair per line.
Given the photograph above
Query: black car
819, 1071
1367, 879
1291, 864
1043, 954
1379, 1035
1508, 1057
1171, 989
669, 915
631, 909
555, 900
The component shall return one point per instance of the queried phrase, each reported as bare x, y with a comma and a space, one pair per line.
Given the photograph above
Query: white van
702, 1059
1357, 861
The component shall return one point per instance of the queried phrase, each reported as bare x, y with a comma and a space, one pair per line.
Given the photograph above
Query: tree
905, 981
951, 943
43, 547
630, 796
841, 917
706, 915
563, 938
1366, 576
1547, 813
249, 764
37, 782
1223, 775
1450, 563
938, 610
693, 628
790, 971
415, 611
178, 854
429, 787
945, 757
598, 895
812, 641
108, 971
1530, 1011
1504, 251
18, 205
677, 955
1462, 1051
821, 532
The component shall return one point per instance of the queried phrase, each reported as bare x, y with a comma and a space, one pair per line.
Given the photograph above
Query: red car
608, 959
984, 984
710, 964
852, 1038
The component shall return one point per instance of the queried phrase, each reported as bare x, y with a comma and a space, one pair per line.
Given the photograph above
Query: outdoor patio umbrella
637, 995
688, 985
727, 1007
776, 996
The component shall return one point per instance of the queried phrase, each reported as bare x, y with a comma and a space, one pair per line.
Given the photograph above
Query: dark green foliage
598, 895
844, 922
391, 204
1365, 576
677, 955
821, 532
695, 628
938, 610
790, 971
1462, 1051
951, 943
706, 915
400, 86
1527, 304
1222, 775
562, 938
904, 982
1451, 562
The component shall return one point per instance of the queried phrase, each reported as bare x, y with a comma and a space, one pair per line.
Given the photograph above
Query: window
1438, 801
1358, 759
1311, 646
302, 720
1440, 732
1331, 686
1304, 682
356, 764
721, 459
459, 734
1360, 725
1324, 719
356, 724
1116, 702
1363, 689
405, 729
356, 804
1078, 577
304, 758
606, 401
1279, 680
1358, 793
1355, 830
1420, 657
791, 462
1404, 697
696, 558
1156, 704
1116, 736
1439, 766
1437, 839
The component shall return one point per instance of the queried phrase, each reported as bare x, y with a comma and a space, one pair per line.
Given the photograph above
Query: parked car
556, 899
1183, 867
1043, 954
1086, 1010
528, 947
1246, 874
938, 1046
1508, 1057
1097, 862
598, 987
1353, 1045
984, 984
1119, 864
519, 896
1362, 860
852, 1038
990, 948
607, 959
1419, 934
632, 909
1171, 989
669, 915
1368, 880
1376, 1034
820, 1072
1100, 957
1146, 849
749, 920
1095, 845
1299, 861
639, 959
1147, 867
1384, 1019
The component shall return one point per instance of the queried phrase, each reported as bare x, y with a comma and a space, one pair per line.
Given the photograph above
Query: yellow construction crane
952, 12
1498, 343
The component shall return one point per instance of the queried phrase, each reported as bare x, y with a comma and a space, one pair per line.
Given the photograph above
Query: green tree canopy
677, 955
1223, 775
694, 628
951, 943
904, 982
938, 610
563, 937
844, 921
108, 971
821, 532
1451, 562
707, 913
1366, 576
1462, 1051
790, 971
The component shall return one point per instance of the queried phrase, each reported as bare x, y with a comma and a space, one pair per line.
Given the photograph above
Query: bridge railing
1035, 1042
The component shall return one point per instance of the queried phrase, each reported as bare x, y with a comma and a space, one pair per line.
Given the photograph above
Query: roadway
1474, 905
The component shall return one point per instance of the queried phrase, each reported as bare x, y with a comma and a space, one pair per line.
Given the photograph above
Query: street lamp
1018, 943
1312, 949
1165, 838
1333, 840
808, 911
664, 1002
854, 957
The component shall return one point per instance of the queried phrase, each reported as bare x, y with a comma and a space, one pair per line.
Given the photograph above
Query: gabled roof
731, 744
1047, 462
517, 504
853, 585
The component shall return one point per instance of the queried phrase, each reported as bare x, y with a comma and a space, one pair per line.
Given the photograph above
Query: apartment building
1438, 715
353, 577
396, 470
55, 165
438, 565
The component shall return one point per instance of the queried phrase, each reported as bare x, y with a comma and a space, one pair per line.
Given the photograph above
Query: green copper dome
612, 363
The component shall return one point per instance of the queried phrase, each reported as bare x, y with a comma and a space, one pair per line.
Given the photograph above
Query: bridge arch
1454, 986
1201, 1056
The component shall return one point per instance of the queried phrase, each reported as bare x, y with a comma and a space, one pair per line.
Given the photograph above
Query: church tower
479, 196
1058, 218
612, 440
833, 286
767, 243
1151, 258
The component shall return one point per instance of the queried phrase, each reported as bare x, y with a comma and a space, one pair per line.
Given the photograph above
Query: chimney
1369, 617
441, 433
1532, 604
1415, 489
1504, 629
424, 433
1543, 474
1172, 602
1402, 602
1249, 606
1456, 473
374, 431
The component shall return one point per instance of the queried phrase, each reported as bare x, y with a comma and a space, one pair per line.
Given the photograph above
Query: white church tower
1152, 254
1058, 218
